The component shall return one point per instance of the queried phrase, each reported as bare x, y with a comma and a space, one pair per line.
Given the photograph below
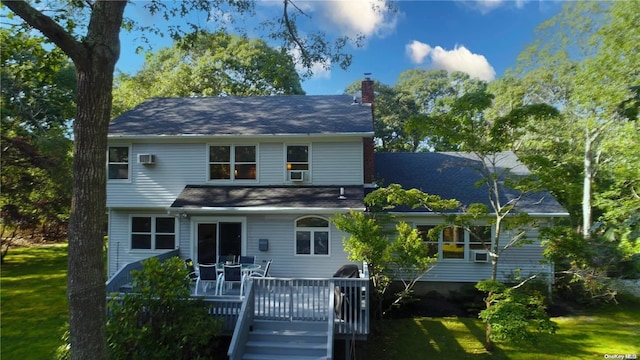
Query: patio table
246, 268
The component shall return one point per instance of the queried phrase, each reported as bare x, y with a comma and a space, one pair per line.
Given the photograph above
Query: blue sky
482, 38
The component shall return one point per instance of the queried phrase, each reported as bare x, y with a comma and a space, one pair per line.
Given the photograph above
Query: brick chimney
367, 90
367, 142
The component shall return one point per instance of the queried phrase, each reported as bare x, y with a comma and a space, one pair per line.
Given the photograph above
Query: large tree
475, 130
93, 45
37, 102
585, 62
434, 92
209, 64
392, 109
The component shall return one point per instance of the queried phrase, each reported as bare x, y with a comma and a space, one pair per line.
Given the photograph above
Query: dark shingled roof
454, 175
233, 115
205, 196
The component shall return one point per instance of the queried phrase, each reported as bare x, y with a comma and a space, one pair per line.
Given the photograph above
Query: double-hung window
153, 232
297, 157
232, 162
312, 236
118, 162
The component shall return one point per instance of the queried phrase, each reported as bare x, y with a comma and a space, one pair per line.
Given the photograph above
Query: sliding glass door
217, 239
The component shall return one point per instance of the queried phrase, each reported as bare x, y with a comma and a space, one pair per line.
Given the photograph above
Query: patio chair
230, 275
247, 259
222, 259
193, 275
262, 272
206, 275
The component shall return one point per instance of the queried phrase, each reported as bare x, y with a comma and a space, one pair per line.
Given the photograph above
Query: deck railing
244, 321
123, 276
342, 299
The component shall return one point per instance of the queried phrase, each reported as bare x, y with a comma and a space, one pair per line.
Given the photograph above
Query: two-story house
262, 176
224, 176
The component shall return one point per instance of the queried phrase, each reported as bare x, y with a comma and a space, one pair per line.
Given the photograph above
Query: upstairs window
118, 162
312, 236
153, 232
297, 157
232, 162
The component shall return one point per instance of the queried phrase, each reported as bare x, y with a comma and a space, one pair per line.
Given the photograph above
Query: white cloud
321, 70
486, 6
457, 59
353, 17
417, 51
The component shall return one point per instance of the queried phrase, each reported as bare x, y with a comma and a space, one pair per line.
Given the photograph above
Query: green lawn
34, 308
33, 299
611, 329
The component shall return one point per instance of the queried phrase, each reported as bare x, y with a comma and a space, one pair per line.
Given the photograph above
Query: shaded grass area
33, 285
606, 330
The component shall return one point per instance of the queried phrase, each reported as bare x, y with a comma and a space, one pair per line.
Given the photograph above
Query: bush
158, 319
514, 315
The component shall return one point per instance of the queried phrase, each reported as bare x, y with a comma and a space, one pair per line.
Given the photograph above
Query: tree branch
292, 31
49, 28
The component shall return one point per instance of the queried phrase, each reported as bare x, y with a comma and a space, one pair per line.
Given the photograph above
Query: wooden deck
344, 301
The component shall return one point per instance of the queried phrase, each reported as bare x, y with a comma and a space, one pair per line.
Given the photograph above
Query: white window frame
128, 163
290, 165
312, 231
232, 163
153, 233
466, 238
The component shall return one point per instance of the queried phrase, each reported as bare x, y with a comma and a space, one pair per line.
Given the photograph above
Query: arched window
312, 236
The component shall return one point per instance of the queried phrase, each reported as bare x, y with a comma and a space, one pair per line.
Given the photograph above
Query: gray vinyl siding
337, 163
279, 229
271, 164
181, 164
159, 184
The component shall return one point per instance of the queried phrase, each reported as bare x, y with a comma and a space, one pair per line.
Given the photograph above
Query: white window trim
176, 239
309, 157
312, 230
232, 164
129, 163
466, 237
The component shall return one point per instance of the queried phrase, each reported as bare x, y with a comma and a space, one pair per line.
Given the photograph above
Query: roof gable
245, 116
454, 175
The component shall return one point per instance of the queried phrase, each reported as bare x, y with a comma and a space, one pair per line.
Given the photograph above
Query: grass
606, 330
34, 309
33, 285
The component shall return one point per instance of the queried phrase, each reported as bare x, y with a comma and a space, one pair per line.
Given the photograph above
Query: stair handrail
331, 318
243, 325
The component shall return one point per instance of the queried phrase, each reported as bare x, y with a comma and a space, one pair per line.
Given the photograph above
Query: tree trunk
86, 271
586, 188
488, 342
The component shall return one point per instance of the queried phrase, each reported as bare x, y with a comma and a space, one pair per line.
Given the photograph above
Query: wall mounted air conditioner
296, 175
146, 159
480, 255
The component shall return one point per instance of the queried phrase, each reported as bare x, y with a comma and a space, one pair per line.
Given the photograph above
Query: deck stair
282, 340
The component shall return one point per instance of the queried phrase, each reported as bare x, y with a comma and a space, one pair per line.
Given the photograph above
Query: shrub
158, 319
513, 315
